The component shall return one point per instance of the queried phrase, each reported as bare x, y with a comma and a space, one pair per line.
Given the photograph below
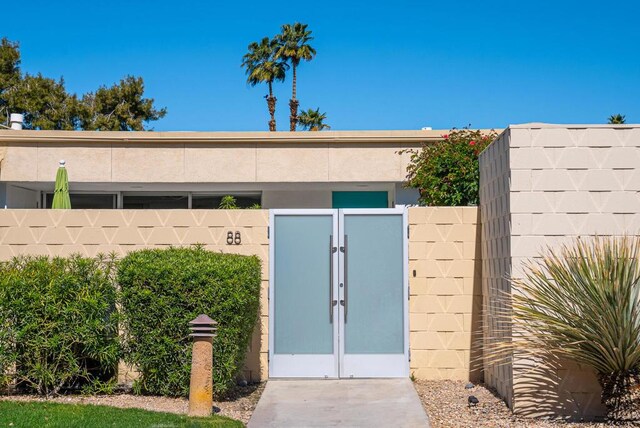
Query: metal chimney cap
203, 319
16, 121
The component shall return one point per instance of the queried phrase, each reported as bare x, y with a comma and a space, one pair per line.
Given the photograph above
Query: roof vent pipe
16, 120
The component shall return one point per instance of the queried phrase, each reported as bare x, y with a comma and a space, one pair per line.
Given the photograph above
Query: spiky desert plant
582, 303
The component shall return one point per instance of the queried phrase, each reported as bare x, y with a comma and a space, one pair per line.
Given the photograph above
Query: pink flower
445, 136
472, 143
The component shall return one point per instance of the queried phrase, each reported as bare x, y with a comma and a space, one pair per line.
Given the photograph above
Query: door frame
300, 366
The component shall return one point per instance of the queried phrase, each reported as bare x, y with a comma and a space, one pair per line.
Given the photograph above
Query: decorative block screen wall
443, 250
565, 182
445, 292
89, 232
496, 251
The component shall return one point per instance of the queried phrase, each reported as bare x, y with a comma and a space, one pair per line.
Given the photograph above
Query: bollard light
203, 326
203, 330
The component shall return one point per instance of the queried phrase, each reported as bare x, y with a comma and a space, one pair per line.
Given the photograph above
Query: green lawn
37, 414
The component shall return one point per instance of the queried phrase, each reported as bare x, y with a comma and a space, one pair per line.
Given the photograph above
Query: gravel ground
239, 405
446, 403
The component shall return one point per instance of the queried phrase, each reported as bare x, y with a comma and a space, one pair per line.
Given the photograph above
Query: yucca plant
582, 303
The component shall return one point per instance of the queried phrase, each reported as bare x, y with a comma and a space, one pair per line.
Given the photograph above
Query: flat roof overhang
191, 137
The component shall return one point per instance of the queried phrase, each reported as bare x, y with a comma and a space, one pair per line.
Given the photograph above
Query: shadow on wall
548, 388
476, 373
253, 366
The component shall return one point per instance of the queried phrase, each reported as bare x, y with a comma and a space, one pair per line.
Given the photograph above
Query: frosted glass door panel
374, 290
302, 285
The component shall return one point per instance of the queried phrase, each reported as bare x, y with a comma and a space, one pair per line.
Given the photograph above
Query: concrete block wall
565, 181
496, 254
444, 267
445, 292
89, 232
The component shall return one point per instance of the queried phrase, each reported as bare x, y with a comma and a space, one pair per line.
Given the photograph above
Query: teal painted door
360, 200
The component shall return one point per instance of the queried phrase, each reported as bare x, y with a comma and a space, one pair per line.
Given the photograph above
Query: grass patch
39, 414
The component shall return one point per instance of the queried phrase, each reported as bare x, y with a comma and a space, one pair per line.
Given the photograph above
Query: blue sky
380, 65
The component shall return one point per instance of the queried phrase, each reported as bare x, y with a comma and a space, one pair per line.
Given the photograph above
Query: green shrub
58, 326
162, 290
446, 173
228, 202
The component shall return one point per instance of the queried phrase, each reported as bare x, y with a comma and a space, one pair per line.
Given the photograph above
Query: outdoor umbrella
61, 199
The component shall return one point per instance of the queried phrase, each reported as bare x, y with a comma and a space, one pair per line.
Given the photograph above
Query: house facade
357, 281
314, 191
181, 170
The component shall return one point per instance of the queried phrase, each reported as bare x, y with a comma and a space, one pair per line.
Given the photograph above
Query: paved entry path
339, 403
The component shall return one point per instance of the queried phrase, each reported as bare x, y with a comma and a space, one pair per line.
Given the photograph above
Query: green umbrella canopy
61, 200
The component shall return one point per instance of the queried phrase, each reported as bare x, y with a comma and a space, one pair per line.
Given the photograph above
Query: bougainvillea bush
446, 173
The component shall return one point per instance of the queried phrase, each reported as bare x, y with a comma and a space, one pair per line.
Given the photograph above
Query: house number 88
234, 239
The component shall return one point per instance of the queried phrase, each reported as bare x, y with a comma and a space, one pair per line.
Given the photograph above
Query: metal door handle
332, 302
345, 302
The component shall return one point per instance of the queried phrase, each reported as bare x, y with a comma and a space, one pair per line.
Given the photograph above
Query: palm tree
294, 46
263, 67
617, 119
313, 120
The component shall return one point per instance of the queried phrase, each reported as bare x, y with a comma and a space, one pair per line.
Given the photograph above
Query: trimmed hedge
162, 290
58, 325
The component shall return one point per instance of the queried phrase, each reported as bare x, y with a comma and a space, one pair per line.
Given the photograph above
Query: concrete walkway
339, 403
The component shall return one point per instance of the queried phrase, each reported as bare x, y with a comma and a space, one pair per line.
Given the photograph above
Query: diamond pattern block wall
445, 292
496, 253
565, 182
89, 232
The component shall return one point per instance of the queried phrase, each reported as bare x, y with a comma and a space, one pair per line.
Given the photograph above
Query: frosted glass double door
338, 293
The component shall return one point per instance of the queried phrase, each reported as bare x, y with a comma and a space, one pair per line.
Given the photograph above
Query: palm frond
293, 43
313, 120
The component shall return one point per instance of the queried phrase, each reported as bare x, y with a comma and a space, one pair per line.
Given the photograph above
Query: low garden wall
444, 267
445, 292
89, 232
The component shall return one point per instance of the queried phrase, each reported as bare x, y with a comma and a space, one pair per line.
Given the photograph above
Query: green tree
617, 119
121, 107
293, 46
46, 104
313, 120
9, 73
261, 66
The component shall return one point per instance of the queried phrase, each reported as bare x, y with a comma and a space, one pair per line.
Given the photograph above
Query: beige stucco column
201, 385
